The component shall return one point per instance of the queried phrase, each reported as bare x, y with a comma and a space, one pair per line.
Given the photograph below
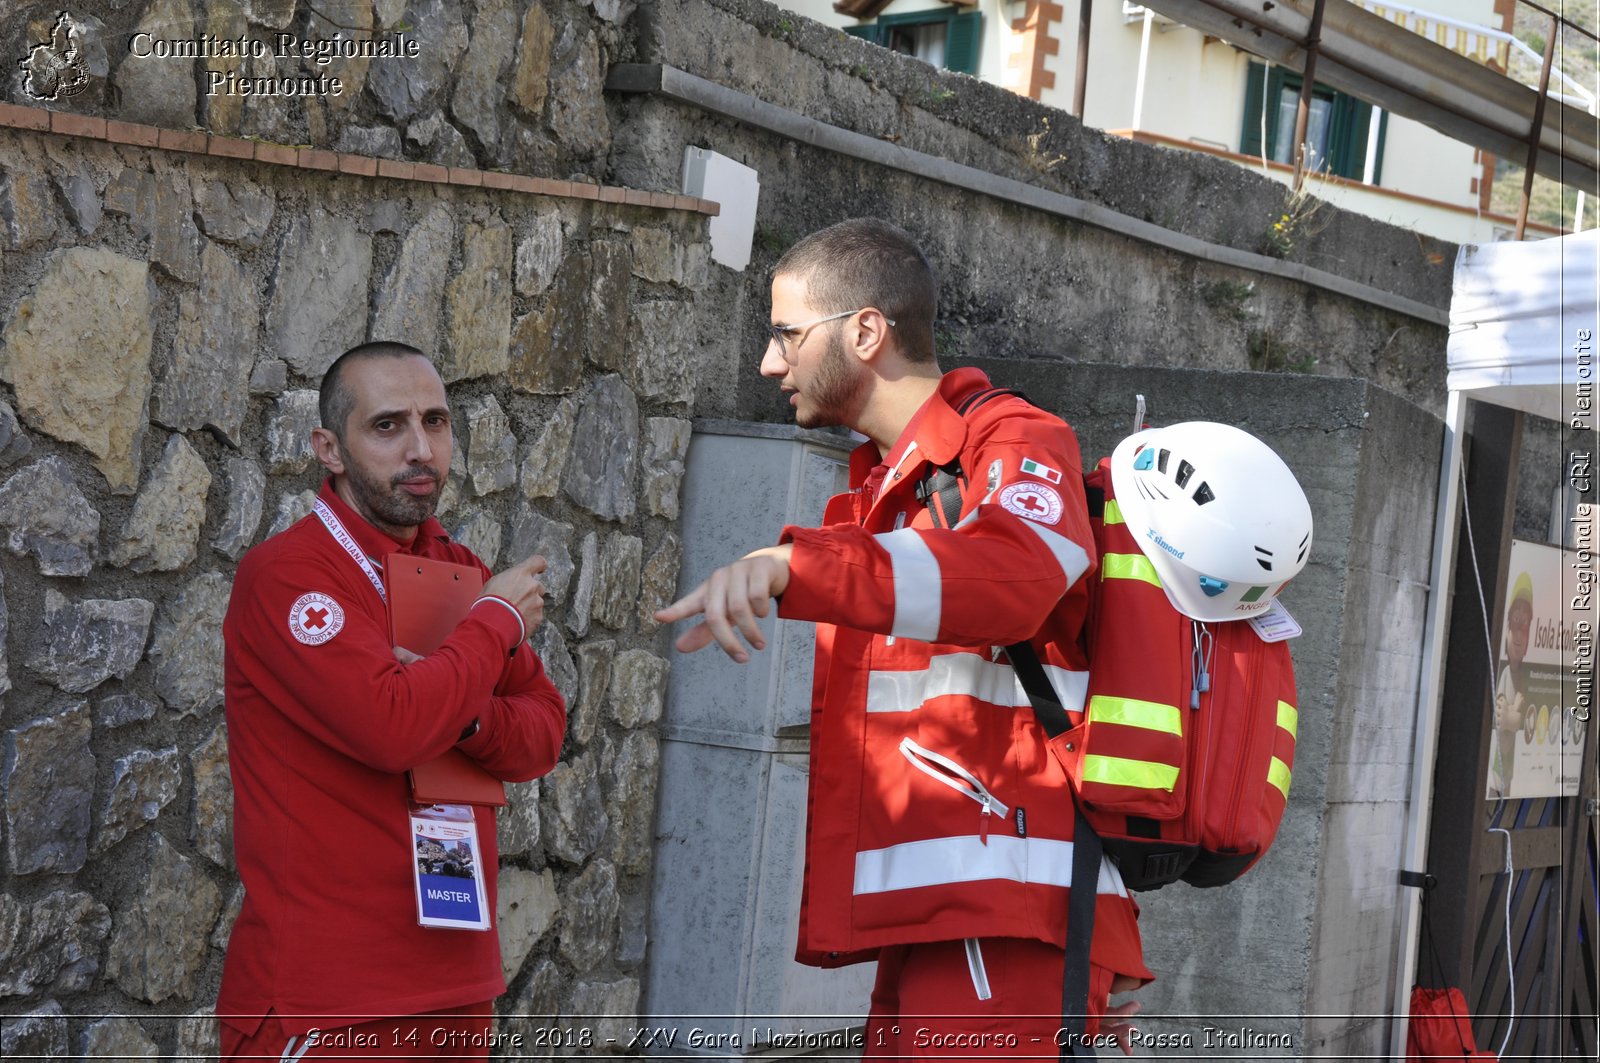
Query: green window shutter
866, 33
1348, 142
1255, 85
961, 43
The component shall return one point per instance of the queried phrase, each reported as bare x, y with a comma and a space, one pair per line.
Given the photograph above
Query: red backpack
1181, 759
1180, 762
1183, 756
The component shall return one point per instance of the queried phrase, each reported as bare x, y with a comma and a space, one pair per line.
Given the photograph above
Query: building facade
1163, 83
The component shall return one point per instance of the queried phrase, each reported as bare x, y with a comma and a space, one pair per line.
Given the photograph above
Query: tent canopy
1522, 325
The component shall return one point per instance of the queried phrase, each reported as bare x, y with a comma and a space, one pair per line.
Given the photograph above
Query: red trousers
463, 1032
976, 999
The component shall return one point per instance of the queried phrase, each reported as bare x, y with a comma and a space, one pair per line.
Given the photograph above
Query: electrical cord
1511, 968
1488, 644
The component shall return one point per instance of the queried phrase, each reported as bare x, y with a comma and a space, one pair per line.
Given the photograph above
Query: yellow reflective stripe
1118, 771
1113, 512
1289, 719
1129, 566
1278, 775
1130, 712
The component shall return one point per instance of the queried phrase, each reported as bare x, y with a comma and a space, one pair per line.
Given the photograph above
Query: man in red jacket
325, 717
939, 827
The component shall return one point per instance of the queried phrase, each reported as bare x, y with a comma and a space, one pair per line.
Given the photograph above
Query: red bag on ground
1441, 1028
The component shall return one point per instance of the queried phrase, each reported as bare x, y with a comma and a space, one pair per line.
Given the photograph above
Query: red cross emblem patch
315, 618
1038, 502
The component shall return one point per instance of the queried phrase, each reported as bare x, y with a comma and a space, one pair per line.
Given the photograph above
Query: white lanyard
342, 536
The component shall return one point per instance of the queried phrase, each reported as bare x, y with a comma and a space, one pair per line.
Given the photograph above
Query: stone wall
168, 302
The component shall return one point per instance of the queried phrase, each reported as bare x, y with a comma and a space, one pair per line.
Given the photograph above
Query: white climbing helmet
1218, 514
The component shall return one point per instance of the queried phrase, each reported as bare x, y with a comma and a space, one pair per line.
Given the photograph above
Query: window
1336, 127
947, 39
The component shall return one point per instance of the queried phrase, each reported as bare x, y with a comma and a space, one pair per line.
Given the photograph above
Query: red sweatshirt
323, 722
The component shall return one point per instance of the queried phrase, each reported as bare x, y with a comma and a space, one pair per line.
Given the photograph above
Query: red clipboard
427, 599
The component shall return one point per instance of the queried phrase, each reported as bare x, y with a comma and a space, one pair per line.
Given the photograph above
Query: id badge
448, 868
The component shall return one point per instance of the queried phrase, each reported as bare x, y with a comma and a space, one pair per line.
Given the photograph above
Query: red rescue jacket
936, 811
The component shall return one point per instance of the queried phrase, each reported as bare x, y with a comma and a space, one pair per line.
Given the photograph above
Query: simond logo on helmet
1150, 533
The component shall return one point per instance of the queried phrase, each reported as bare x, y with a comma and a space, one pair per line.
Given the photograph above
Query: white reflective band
1069, 555
967, 675
939, 861
980, 976
342, 536
918, 585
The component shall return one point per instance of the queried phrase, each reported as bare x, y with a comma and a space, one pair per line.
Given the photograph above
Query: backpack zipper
1247, 759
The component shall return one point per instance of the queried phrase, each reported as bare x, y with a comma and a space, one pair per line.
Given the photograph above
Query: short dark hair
869, 262
334, 401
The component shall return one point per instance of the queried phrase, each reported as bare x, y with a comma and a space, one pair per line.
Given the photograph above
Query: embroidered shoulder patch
1038, 502
315, 618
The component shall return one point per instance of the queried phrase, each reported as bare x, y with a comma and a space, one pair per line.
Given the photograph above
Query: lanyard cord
342, 536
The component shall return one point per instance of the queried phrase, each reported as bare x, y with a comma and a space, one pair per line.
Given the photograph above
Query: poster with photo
1546, 633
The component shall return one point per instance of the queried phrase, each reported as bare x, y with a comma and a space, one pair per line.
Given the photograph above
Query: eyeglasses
780, 333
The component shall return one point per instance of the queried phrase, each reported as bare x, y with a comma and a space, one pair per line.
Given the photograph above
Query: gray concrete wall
1017, 283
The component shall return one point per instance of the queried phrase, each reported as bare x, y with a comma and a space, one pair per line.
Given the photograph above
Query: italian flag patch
1033, 468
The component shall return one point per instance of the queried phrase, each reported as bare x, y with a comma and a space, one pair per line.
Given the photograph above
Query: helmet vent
1266, 560
1185, 470
1202, 494
1161, 460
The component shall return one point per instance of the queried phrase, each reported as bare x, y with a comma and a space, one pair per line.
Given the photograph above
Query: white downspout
1430, 699
1144, 62
1369, 174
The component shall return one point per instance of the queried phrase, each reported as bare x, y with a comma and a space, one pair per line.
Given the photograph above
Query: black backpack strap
1096, 498
1046, 708
940, 490
945, 483
1075, 978
978, 398
1086, 858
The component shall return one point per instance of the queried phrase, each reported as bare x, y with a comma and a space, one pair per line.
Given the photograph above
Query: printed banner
1543, 681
